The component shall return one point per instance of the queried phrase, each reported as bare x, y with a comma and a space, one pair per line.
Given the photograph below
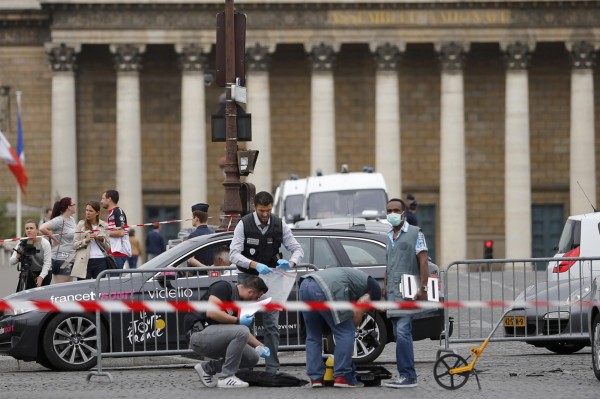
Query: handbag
110, 260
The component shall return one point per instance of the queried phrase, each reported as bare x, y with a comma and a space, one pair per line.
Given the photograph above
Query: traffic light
488, 249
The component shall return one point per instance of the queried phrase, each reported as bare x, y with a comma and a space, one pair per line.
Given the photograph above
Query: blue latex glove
263, 269
263, 351
247, 320
283, 264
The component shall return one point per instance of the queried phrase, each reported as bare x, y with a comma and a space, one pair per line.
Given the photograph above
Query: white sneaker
231, 382
206, 379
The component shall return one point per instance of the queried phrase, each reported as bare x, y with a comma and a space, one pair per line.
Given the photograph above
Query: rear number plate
514, 321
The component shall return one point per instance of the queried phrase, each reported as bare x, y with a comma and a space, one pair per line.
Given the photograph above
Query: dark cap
373, 289
410, 197
200, 207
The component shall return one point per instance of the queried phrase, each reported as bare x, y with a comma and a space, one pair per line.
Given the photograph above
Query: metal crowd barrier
145, 333
505, 280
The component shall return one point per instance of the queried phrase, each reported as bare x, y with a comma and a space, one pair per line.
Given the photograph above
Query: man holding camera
33, 254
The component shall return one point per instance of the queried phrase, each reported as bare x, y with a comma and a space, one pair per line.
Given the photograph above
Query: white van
289, 200
356, 194
580, 238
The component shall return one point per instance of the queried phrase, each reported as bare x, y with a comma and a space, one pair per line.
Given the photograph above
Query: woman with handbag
90, 244
60, 228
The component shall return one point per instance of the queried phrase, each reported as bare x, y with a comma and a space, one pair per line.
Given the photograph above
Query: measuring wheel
441, 371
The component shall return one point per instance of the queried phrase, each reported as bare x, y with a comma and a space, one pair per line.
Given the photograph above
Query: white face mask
395, 219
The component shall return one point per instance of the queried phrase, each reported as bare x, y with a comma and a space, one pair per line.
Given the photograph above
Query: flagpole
19, 216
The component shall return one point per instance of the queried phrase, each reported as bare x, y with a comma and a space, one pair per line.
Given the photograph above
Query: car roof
588, 216
345, 181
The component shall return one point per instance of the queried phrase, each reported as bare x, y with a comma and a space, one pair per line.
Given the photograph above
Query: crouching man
225, 337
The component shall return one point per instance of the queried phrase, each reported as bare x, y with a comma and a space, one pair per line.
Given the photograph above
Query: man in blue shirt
199, 221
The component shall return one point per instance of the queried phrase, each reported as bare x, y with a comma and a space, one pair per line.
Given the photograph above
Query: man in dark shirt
224, 336
155, 243
199, 221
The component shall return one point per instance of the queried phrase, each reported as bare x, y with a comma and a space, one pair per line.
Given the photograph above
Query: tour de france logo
145, 328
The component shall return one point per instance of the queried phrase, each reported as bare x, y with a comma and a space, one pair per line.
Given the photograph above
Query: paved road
512, 370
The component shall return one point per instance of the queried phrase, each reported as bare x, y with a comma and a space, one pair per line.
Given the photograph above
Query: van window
570, 237
293, 207
368, 204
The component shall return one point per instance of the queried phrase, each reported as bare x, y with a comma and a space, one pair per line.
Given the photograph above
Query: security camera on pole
231, 74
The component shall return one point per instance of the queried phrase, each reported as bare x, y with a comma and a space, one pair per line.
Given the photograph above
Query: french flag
10, 157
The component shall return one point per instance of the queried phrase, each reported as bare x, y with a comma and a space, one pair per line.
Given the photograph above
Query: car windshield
368, 204
293, 206
570, 237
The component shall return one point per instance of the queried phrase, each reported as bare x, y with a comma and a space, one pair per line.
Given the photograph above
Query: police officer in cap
199, 220
255, 250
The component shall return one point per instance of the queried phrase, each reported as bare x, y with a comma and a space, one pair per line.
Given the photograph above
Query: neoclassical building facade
484, 110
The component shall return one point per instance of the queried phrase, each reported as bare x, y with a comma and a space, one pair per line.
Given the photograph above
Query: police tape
230, 217
57, 305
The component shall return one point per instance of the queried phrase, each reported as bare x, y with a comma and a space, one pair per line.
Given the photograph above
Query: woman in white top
90, 243
34, 267
61, 228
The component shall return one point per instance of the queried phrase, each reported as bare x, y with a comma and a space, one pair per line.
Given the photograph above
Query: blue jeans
132, 262
120, 261
405, 356
343, 334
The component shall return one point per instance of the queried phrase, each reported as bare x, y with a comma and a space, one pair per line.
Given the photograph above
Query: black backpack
263, 379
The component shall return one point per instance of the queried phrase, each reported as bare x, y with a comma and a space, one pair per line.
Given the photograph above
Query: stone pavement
512, 370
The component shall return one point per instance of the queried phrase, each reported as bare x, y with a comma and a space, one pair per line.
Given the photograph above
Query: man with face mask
406, 253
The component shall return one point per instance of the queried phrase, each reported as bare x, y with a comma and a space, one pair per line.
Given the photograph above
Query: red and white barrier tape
117, 306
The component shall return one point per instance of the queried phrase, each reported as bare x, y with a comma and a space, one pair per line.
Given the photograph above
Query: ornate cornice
322, 57
128, 57
62, 57
517, 56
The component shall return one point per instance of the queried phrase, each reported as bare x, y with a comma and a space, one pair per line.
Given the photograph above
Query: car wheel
70, 342
371, 337
596, 345
564, 348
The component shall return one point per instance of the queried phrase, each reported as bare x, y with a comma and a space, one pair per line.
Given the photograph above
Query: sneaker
402, 382
206, 379
318, 383
231, 382
342, 382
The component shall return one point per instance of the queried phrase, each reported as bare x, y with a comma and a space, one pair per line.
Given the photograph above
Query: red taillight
565, 265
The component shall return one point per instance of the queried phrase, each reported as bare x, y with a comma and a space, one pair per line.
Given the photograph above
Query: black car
68, 341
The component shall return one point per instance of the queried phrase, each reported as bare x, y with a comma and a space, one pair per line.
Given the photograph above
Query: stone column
322, 110
388, 159
453, 206
582, 169
193, 173
128, 141
64, 129
259, 105
517, 164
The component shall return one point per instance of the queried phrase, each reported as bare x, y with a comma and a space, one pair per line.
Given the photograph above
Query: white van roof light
367, 169
345, 168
